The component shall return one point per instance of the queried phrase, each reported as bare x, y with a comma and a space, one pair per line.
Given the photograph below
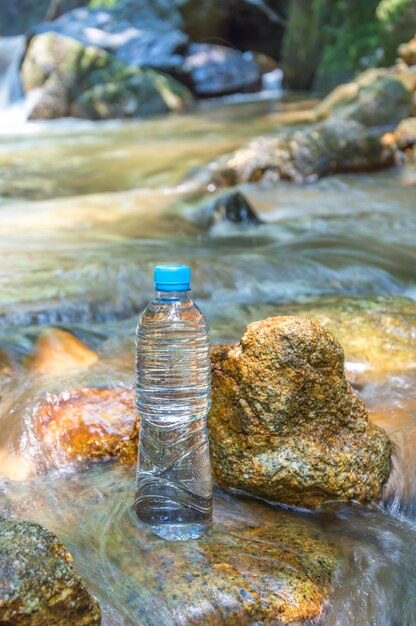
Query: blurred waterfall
14, 107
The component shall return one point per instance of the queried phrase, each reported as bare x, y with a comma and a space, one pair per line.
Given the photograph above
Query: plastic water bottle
173, 376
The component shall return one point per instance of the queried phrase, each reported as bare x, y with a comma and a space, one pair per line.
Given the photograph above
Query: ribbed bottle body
173, 375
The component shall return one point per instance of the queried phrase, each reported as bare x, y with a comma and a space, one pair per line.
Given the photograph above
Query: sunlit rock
407, 52
382, 102
57, 352
38, 585
88, 424
285, 424
376, 97
405, 133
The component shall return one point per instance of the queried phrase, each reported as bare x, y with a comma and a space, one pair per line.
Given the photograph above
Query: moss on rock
88, 82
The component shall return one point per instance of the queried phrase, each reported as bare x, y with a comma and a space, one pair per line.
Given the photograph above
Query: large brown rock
285, 424
38, 585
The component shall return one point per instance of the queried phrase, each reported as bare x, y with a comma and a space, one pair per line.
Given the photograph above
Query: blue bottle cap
172, 278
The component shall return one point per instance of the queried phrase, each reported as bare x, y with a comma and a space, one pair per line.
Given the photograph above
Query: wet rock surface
38, 585
405, 133
88, 424
89, 83
256, 565
285, 424
378, 334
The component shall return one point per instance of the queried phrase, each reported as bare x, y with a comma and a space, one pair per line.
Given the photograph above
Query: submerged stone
257, 565
38, 585
378, 333
285, 424
233, 207
58, 351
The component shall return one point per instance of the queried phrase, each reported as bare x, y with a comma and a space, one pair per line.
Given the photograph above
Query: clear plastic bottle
173, 378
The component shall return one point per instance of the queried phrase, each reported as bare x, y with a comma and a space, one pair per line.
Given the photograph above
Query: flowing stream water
86, 210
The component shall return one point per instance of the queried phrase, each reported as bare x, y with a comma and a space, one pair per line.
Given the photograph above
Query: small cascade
14, 107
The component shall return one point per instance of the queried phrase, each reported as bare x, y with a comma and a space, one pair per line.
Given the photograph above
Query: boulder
111, 27
151, 49
383, 102
148, 35
18, 16
306, 154
285, 424
38, 585
407, 52
79, 81
212, 70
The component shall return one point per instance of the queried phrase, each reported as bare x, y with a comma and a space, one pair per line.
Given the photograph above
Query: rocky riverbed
310, 293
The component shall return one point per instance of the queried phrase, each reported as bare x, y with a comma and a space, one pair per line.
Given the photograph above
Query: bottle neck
173, 295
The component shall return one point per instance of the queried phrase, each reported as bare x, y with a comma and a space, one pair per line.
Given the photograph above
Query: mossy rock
38, 585
383, 102
88, 82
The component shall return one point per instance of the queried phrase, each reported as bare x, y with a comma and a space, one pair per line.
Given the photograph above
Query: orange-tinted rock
407, 52
286, 425
58, 351
89, 424
406, 133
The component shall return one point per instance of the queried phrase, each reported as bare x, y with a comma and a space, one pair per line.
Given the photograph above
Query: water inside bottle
174, 485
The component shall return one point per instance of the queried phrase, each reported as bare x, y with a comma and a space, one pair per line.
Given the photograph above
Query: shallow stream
86, 210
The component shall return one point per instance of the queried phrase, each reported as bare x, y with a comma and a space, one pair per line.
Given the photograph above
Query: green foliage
94, 4
389, 11
397, 24
350, 40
